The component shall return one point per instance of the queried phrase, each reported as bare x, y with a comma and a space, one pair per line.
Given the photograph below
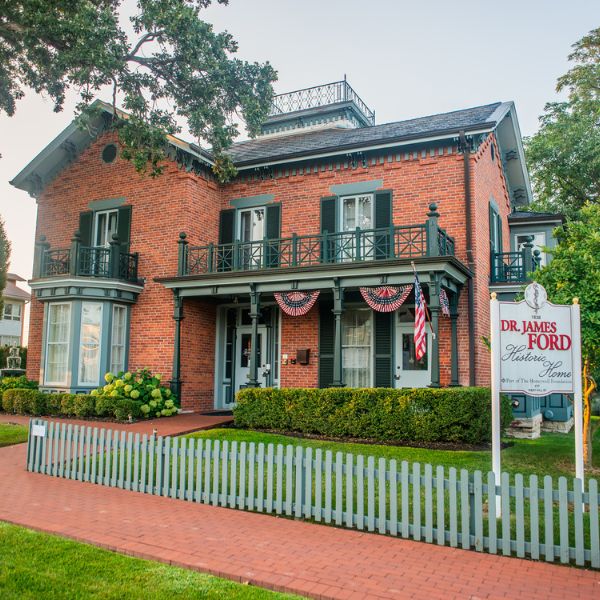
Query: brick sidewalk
177, 425
275, 553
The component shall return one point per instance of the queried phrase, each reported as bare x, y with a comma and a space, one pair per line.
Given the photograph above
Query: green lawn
552, 454
37, 565
12, 434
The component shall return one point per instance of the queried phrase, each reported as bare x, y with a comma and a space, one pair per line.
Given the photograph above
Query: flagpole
412, 262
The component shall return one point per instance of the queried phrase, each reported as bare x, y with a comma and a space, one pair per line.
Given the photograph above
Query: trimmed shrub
424, 415
21, 382
126, 407
53, 404
24, 402
105, 406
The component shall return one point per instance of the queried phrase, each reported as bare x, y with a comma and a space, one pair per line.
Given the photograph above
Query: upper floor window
495, 230
539, 241
105, 224
12, 311
357, 212
251, 224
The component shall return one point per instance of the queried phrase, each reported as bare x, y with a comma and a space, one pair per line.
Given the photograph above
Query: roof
15, 293
14, 277
525, 216
336, 139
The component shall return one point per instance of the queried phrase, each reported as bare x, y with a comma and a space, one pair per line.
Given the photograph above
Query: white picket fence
539, 519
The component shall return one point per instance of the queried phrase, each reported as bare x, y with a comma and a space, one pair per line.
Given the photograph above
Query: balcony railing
514, 267
86, 261
357, 246
320, 95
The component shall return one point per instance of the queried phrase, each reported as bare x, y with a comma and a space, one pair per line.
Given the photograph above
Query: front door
409, 371
242, 362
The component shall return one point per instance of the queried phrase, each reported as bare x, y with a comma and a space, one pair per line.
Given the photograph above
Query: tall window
12, 311
252, 229
357, 213
357, 347
118, 339
57, 343
106, 225
90, 343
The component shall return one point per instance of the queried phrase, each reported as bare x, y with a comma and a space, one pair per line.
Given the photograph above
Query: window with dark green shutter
226, 226
326, 342
383, 349
273, 232
329, 209
124, 227
384, 241
86, 223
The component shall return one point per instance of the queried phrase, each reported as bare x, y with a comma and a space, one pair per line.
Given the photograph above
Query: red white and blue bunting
386, 298
296, 304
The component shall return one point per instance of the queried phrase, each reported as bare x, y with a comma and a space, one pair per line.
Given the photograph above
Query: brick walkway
178, 425
275, 553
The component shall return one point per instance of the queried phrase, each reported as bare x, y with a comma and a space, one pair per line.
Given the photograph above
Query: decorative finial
575, 300
493, 295
182, 235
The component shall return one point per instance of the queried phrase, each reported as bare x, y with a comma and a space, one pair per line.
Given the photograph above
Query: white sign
38, 430
536, 345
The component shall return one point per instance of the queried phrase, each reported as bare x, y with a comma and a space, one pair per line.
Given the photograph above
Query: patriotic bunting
296, 304
444, 303
385, 298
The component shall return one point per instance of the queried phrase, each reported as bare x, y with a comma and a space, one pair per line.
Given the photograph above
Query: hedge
451, 415
34, 402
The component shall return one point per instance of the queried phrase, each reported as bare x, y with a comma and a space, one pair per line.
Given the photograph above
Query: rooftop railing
86, 261
345, 247
514, 267
320, 95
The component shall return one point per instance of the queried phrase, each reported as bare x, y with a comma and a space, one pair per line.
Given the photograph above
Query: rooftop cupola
332, 105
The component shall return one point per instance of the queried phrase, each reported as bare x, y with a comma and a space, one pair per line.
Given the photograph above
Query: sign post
536, 350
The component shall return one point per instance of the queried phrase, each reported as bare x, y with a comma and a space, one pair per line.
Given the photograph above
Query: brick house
179, 273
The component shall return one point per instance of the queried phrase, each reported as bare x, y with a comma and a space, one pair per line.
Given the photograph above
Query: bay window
90, 341
58, 343
118, 338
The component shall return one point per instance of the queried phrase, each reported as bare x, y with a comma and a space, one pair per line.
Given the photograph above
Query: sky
404, 58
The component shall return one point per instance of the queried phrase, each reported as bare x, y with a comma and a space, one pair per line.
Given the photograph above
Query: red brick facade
181, 201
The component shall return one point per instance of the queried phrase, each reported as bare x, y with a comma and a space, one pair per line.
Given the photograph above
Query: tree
574, 272
177, 67
4, 261
564, 155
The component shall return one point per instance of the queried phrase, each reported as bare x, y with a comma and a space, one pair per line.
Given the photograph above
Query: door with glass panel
410, 372
357, 347
356, 216
251, 234
105, 225
243, 352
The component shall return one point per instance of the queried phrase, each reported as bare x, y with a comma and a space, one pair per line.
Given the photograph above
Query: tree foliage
574, 272
176, 67
564, 155
4, 261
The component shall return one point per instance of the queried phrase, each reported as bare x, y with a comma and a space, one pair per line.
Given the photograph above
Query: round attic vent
109, 153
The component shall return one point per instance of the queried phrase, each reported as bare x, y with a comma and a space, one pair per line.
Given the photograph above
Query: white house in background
11, 324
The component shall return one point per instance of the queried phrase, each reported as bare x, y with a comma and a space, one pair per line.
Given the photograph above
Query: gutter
469, 249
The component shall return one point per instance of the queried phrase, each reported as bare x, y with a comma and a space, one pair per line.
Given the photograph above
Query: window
57, 343
105, 226
12, 311
10, 340
357, 213
251, 230
118, 339
90, 343
357, 342
495, 230
539, 242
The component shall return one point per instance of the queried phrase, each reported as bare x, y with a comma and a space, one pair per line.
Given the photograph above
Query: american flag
420, 337
444, 303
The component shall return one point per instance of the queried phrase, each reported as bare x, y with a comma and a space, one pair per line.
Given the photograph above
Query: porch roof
352, 275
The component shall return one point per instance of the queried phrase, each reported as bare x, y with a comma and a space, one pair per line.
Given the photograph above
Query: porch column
454, 340
178, 317
338, 301
254, 316
434, 308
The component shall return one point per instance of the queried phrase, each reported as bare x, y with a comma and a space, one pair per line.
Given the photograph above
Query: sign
536, 345
38, 430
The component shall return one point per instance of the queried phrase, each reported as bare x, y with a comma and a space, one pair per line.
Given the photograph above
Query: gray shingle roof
288, 146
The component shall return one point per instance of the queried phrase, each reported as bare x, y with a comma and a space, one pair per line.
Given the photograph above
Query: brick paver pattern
276, 553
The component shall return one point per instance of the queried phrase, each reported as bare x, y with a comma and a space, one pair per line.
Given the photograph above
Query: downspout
469, 250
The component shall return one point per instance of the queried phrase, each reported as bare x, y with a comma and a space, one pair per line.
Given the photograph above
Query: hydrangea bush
142, 387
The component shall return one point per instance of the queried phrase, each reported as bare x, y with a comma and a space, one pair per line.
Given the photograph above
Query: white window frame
112, 338
543, 255
356, 197
252, 211
12, 316
47, 343
100, 339
95, 228
371, 345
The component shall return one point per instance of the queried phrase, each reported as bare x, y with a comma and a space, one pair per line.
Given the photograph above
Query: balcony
347, 247
320, 95
86, 261
514, 267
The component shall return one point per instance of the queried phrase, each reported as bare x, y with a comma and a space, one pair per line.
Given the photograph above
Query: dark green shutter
500, 244
226, 226
124, 227
326, 342
383, 349
86, 220
273, 232
329, 224
383, 220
